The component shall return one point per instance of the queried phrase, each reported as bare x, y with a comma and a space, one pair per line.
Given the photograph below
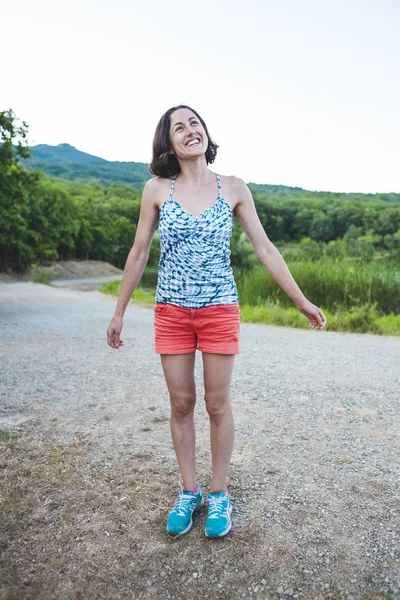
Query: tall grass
334, 285
361, 319
140, 295
356, 297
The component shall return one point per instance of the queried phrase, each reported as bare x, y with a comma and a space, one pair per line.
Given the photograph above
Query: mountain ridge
63, 152
67, 162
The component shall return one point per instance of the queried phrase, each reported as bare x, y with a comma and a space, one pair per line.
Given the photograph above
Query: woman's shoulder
232, 187
157, 188
158, 183
232, 182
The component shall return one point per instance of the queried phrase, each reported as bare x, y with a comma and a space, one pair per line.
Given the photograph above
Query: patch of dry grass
77, 527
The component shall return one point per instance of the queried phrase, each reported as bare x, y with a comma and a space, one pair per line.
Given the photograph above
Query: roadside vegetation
358, 319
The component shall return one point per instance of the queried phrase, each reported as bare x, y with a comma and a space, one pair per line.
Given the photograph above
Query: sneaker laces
215, 506
183, 504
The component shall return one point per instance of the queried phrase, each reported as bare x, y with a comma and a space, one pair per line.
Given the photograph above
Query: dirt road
85, 442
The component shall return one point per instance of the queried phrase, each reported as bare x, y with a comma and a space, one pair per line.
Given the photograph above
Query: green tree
302, 222
310, 249
243, 256
321, 227
16, 185
388, 221
392, 243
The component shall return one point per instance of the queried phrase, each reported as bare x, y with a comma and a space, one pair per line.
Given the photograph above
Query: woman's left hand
315, 316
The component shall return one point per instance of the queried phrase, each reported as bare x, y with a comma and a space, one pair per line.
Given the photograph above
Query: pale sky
302, 93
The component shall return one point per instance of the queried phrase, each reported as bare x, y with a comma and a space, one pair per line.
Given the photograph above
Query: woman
196, 299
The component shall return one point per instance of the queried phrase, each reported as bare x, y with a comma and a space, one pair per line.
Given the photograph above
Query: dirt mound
9, 277
68, 269
71, 269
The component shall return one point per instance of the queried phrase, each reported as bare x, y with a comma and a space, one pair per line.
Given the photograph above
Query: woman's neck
195, 173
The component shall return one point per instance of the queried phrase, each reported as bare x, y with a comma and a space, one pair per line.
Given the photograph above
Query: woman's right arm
137, 259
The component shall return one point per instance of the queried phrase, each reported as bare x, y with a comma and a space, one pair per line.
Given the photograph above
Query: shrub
40, 274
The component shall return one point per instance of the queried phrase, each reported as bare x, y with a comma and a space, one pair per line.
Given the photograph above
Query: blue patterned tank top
194, 269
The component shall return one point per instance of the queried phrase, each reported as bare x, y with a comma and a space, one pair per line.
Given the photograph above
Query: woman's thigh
217, 374
179, 374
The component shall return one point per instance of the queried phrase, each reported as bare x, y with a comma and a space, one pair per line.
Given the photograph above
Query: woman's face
187, 135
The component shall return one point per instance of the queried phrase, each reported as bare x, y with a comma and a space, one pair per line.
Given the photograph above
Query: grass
141, 296
337, 285
356, 320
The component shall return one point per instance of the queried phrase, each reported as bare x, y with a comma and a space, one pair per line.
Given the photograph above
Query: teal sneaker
180, 519
218, 522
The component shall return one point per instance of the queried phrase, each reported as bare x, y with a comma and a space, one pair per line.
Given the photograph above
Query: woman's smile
187, 131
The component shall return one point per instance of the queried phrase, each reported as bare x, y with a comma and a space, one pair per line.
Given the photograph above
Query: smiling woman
165, 162
196, 299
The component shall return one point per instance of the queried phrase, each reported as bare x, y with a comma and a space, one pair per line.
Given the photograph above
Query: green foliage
112, 288
273, 314
243, 256
364, 319
141, 295
329, 283
66, 162
149, 277
309, 249
16, 186
41, 274
321, 228
67, 220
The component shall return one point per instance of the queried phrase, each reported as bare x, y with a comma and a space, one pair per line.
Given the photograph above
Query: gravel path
315, 470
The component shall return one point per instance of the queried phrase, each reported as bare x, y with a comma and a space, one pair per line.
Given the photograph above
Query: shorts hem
174, 350
222, 350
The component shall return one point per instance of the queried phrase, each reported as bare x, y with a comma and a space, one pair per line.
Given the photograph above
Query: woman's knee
217, 405
182, 405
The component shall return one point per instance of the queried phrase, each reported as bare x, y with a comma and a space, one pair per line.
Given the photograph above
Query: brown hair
163, 163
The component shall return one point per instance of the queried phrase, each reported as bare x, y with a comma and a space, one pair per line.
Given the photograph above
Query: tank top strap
219, 186
171, 191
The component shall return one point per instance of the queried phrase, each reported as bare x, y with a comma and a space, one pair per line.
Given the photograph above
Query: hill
67, 162
63, 153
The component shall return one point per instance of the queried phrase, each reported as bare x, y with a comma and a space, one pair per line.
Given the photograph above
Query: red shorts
212, 329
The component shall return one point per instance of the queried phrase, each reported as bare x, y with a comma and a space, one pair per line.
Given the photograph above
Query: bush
40, 274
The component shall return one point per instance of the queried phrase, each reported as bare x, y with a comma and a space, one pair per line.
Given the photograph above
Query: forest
45, 218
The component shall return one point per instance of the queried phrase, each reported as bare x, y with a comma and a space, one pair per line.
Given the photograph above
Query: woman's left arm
269, 256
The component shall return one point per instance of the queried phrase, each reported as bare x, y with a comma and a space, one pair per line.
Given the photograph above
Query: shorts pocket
158, 308
232, 308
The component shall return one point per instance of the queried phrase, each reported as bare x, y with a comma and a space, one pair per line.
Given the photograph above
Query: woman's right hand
114, 332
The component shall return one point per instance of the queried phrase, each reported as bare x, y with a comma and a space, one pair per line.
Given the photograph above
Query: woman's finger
321, 318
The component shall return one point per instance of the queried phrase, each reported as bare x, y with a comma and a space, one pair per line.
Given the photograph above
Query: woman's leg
217, 382
179, 375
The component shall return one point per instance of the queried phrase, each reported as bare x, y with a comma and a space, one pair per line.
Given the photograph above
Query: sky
298, 92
